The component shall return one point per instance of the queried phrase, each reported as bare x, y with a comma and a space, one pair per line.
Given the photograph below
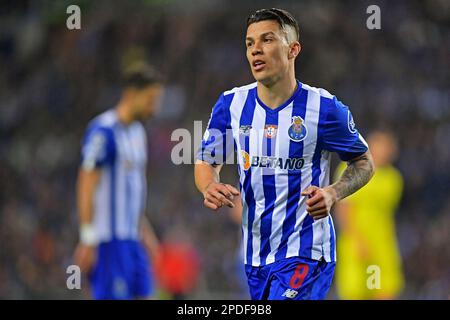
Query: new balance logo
289, 293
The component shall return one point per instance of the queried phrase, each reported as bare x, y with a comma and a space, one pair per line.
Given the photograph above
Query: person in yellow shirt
367, 243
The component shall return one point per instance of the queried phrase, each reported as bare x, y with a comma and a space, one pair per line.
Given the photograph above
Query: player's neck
123, 114
275, 95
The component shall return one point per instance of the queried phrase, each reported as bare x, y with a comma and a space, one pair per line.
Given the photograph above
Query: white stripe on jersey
334, 237
257, 137
321, 229
243, 89
135, 196
132, 139
363, 140
102, 206
121, 185
324, 181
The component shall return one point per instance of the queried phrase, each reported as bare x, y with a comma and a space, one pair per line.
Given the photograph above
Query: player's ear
294, 49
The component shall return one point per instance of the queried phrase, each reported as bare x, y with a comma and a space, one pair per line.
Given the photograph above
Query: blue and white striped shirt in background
120, 152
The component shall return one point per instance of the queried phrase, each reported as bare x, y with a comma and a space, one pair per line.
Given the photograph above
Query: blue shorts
293, 278
122, 271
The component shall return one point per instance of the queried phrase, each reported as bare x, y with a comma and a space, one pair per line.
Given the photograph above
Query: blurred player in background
112, 193
367, 228
284, 132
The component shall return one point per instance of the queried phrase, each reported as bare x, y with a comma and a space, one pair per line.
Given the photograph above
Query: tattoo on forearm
355, 176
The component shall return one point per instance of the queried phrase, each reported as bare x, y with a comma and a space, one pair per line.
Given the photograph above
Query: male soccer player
111, 193
367, 238
284, 132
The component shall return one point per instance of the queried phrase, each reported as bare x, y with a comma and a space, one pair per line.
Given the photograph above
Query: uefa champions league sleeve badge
297, 131
351, 123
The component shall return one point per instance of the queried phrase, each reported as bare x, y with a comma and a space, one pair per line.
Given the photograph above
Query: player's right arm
215, 194
210, 158
98, 150
86, 184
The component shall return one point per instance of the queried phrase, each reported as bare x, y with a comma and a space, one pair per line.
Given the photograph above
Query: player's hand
320, 201
219, 194
85, 257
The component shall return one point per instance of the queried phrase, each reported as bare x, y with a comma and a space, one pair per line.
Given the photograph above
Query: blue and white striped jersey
120, 152
281, 152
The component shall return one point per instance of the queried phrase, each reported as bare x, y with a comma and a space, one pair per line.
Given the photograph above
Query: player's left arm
358, 172
339, 134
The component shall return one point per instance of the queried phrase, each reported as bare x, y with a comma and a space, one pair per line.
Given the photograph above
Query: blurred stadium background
53, 80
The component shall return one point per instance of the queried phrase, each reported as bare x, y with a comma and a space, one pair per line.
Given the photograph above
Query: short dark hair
283, 18
140, 75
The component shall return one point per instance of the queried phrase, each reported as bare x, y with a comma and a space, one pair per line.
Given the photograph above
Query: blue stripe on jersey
294, 179
332, 244
246, 120
322, 120
270, 194
306, 237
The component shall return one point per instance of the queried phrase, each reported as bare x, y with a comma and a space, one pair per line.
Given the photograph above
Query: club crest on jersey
297, 131
270, 131
245, 130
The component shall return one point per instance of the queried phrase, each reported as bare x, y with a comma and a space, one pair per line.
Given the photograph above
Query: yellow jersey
369, 238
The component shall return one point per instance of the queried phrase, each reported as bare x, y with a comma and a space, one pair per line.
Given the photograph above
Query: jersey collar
285, 104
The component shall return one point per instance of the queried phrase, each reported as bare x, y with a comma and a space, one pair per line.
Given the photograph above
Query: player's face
267, 51
146, 101
383, 148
